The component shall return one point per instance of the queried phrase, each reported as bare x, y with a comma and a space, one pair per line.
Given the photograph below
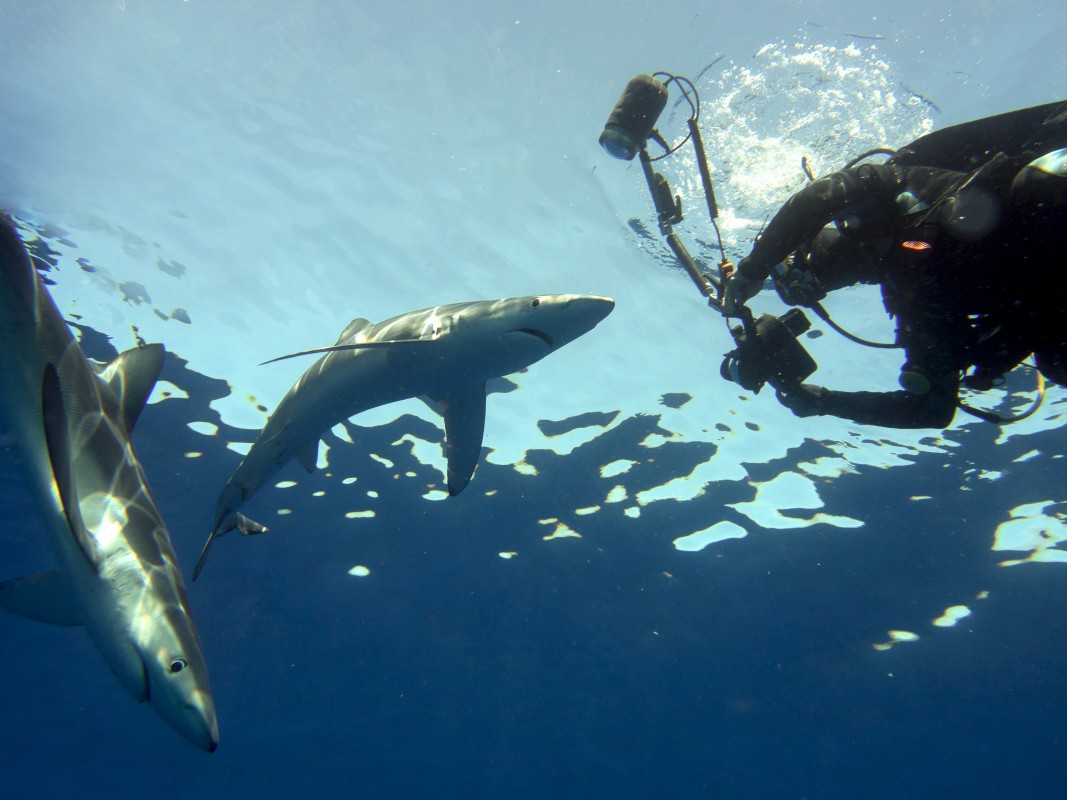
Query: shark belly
321, 399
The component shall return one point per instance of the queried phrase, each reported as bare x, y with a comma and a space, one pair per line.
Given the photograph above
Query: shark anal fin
500, 385
57, 439
464, 411
44, 597
131, 376
308, 456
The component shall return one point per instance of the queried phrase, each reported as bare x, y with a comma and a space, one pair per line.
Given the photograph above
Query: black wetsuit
969, 281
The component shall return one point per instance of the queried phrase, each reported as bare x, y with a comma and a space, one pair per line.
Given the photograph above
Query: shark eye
535, 302
177, 665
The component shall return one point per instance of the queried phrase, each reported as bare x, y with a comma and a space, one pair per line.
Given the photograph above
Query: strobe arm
668, 213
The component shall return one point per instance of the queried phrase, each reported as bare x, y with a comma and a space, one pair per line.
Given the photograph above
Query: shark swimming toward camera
71, 422
446, 354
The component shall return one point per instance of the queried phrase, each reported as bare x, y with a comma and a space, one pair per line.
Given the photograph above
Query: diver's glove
804, 400
738, 290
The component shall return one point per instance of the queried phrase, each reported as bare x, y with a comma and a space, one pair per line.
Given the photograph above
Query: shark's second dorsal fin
131, 375
57, 439
44, 597
464, 411
354, 327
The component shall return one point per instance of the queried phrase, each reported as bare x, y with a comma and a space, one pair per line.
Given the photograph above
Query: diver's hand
738, 290
804, 400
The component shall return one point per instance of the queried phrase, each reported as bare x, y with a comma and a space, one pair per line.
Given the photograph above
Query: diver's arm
932, 337
899, 409
810, 209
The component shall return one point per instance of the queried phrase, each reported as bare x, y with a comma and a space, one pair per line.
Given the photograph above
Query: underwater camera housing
634, 116
768, 352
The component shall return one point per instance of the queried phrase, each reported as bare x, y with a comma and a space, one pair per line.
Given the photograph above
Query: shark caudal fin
229, 522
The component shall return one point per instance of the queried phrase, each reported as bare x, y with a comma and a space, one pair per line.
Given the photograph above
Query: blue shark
445, 354
71, 422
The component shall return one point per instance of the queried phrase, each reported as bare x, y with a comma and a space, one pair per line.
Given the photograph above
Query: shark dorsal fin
131, 375
44, 597
354, 327
57, 440
463, 408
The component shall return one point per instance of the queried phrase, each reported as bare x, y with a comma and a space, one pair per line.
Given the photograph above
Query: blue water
238, 180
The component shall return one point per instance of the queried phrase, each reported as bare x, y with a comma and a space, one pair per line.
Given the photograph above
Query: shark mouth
544, 337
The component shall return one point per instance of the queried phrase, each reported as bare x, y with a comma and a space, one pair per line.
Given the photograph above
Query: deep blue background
610, 665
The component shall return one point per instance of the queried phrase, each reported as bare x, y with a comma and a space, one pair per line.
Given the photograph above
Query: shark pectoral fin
57, 439
464, 411
308, 456
44, 597
131, 376
229, 522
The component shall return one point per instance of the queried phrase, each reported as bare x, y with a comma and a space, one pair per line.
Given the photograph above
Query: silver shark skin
119, 577
446, 353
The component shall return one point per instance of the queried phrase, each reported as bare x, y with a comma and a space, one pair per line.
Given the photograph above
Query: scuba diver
964, 230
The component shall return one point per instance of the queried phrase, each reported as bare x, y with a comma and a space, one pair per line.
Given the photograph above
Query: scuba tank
969, 145
996, 153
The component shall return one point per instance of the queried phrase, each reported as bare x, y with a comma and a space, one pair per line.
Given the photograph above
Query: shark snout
207, 724
194, 718
578, 314
176, 682
598, 306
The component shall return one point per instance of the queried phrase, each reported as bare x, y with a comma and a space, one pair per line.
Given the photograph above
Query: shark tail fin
228, 522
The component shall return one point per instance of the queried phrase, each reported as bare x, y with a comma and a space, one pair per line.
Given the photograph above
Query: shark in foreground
71, 424
446, 354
